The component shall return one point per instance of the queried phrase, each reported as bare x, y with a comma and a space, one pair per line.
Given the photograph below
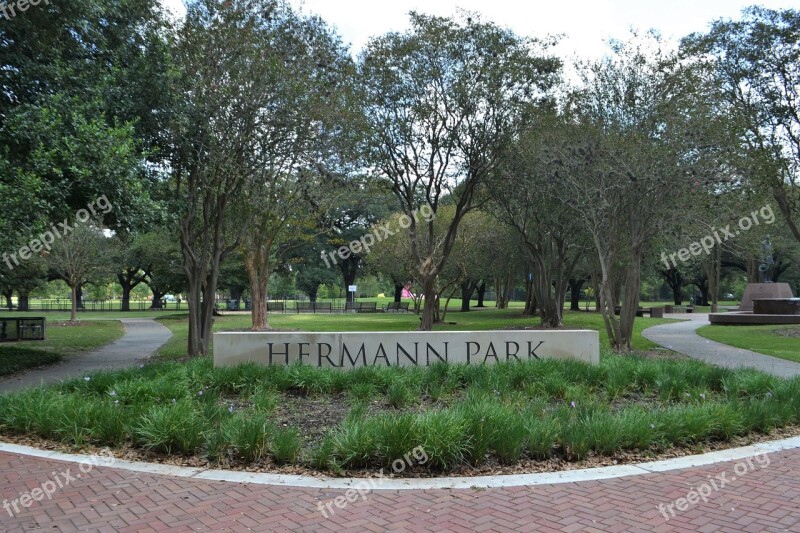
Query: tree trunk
575, 286
312, 293
79, 293
349, 268
509, 289
73, 316
702, 286
128, 279
549, 311
156, 302
530, 298
256, 262
126, 298
195, 315
607, 297
630, 299
467, 288
9, 294
23, 304
202, 282
430, 306
714, 271
674, 279
481, 293
398, 292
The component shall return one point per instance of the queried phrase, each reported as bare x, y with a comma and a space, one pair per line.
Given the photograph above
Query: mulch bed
490, 468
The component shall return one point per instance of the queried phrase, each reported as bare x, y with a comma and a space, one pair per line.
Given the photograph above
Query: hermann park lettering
414, 348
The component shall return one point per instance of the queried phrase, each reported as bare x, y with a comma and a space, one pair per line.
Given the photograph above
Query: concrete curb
386, 483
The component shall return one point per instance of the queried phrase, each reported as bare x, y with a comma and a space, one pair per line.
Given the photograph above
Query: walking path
143, 336
682, 337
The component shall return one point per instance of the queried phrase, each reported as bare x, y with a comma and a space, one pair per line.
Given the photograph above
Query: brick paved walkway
766, 498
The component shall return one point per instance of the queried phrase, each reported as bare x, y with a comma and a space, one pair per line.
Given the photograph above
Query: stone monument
766, 302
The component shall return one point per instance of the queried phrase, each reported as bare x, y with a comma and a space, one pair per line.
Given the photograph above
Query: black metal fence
306, 306
65, 305
273, 306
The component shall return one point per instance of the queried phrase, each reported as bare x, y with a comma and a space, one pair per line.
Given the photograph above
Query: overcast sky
587, 23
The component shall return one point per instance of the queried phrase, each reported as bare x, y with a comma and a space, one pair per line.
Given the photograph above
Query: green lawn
17, 358
486, 319
761, 339
61, 341
81, 338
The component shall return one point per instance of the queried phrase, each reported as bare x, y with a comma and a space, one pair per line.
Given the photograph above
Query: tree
637, 132
82, 86
24, 279
80, 257
527, 196
225, 82
754, 62
360, 205
442, 102
159, 256
311, 271
307, 88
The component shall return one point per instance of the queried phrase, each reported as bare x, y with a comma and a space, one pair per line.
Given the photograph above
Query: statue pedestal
764, 291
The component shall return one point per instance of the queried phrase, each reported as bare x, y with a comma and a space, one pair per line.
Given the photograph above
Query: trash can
247, 304
233, 305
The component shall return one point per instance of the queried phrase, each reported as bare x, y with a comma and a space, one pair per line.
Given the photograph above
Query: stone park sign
413, 348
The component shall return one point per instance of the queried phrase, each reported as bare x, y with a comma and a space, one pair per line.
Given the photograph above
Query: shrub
322, 457
443, 436
542, 435
362, 392
356, 442
249, 435
264, 399
398, 435
399, 395
636, 428
286, 445
171, 428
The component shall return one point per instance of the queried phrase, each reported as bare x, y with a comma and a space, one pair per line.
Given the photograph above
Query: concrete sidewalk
682, 337
143, 336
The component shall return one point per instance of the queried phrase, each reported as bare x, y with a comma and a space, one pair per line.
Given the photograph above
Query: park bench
396, 307
361, 307
683, 309
654, 312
